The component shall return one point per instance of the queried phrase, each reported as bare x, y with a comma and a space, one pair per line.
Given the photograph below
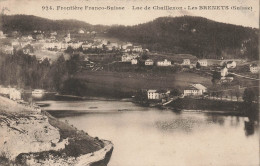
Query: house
64, 45
224, 72
44, 58
186, 62
52, 45
164, 63
200, 87
53, 33
128, 49
194, 90
112, 46
203, 62
81, 31
231, 64
75, 45
226, 79
28, 49
67, 38
2, 35
157, 94
134, 61
126, 45
86, 46
52, 38
137, 49
148, 62
39, 37
254, 68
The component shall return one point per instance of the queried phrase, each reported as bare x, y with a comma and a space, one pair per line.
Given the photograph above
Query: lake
144, 136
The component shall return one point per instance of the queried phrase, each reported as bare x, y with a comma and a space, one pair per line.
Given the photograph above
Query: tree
74, 87
69, 50
215, 77
145, 56
198, 66
237, 93
74, 64
175, 92
59, 72
231, 93
249, 95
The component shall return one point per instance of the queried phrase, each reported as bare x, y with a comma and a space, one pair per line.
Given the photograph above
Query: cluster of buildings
101, 44
133, 58
191, 90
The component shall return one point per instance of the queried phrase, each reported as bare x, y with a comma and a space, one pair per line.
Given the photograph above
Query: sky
248, 16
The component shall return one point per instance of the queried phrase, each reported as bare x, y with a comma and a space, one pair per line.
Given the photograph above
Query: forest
198, 36
26, 72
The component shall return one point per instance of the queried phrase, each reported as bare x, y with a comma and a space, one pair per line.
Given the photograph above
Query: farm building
186, 62
164, 63
194, 90
148, 62
254, 68
203, 62
157, 94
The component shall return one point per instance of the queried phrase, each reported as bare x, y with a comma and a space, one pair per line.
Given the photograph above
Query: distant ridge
27, 23
195, 35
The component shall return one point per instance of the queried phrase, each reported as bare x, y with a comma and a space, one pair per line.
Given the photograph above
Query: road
245, 77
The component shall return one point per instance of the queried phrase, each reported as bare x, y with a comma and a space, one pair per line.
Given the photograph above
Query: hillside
198, 36
194, 35
29, 23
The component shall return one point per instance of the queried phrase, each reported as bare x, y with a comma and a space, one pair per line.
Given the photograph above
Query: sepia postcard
129, 83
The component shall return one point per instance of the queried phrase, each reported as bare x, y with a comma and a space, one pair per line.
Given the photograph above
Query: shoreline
209, 106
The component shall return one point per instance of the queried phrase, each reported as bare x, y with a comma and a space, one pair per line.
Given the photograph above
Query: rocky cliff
31, 137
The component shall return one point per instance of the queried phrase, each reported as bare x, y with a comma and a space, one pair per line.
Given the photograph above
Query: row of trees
25, 71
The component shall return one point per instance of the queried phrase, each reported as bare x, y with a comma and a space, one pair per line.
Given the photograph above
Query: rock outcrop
30, 137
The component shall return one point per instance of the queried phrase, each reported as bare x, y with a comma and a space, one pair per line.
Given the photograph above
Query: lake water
152, 137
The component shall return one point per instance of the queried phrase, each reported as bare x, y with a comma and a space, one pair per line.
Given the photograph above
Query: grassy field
130, 81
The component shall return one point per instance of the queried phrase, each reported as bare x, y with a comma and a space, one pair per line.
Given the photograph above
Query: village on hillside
98, 54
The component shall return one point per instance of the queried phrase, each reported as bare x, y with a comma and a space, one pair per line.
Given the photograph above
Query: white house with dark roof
165, 62
254, 68
148, 62
194, 90
186, 62
203, 62
81, 31
86, 46
137, 49
153, 94
134, 61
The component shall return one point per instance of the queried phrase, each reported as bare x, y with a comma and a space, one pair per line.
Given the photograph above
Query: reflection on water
147, 136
